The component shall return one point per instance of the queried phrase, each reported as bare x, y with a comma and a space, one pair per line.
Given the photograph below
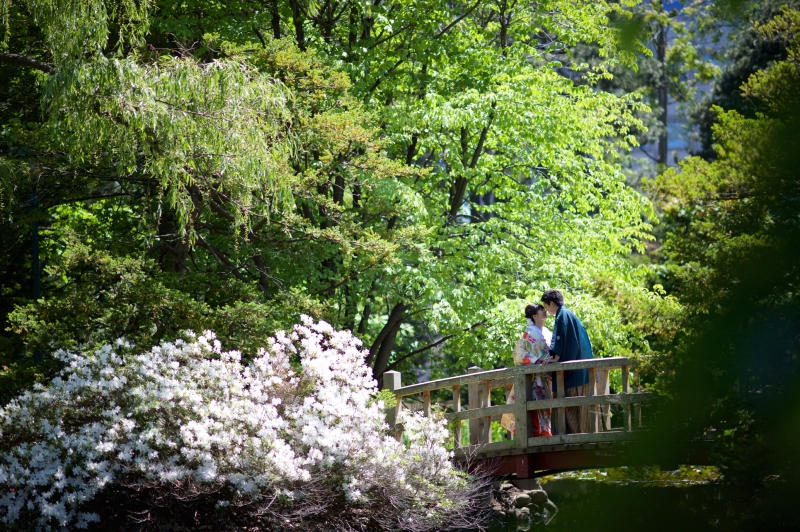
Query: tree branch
459, 19
430, 346
16, 59
220, 256
383, 76
395, 316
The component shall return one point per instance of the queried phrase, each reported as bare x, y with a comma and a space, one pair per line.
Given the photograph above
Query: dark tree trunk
383, 345
338, 189
362, 325
663, 91
263, 280
297, 19
349, 309
459, 188
276, 19
352, 38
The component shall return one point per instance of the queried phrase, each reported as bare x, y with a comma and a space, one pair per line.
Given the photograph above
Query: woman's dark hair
553, 296
532, 310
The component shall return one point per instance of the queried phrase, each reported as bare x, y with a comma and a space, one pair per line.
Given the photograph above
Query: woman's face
539, 318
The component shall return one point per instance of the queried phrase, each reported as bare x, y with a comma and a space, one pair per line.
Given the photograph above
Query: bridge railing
480, 412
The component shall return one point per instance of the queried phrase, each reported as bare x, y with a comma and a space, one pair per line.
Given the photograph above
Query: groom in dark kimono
570, 342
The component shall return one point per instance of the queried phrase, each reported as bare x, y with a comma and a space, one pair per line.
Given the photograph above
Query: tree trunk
663, 91
276, 19
297, 19
384, 343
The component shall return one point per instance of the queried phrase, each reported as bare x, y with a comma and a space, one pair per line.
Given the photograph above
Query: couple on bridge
568, 341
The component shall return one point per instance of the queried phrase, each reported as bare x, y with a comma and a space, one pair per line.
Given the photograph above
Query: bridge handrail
504, 373
481, 412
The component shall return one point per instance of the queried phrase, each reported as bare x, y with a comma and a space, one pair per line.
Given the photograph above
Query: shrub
185, 435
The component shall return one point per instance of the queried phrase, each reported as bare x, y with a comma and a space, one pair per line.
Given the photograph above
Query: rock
550, 511
523, 499
506, 486
523, 519
538, 497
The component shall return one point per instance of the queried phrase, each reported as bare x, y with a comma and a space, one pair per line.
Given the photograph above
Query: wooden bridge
525, 456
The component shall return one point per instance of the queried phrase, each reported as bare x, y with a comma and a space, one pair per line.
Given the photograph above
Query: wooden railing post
486, 402
457, 409
392, 381
604, 389
426, 403
626, 409
522, 389
593, 409
637, 407
473, 402
561, 415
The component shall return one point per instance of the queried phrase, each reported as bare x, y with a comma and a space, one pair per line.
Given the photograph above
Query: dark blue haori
571, 342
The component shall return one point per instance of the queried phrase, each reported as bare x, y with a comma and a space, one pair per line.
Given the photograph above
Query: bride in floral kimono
533, 348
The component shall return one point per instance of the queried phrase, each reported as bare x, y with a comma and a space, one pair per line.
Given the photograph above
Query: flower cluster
187, 416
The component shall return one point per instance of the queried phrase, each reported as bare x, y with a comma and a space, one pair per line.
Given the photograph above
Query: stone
538, 497
506, 486
550, 511
524, 520
523, 499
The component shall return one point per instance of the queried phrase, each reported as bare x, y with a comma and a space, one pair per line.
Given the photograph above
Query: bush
186, 436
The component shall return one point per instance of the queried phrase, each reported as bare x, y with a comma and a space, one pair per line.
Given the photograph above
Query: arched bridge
525, 456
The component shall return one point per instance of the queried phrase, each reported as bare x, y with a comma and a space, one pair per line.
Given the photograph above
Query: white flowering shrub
292, 439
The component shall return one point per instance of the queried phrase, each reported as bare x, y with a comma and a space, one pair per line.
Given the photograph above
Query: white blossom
187, 410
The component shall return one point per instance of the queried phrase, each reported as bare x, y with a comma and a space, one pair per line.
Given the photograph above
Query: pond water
591, 506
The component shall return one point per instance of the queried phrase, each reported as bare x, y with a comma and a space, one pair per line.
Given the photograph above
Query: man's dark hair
531, 310
553, 296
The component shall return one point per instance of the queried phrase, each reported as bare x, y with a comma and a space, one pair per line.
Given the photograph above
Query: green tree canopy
412, 171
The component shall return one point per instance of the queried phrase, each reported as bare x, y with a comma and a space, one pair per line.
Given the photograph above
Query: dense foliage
410, 171
733, 228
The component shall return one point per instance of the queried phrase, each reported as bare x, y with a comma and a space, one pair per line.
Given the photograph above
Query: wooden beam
616, 399
592, 392
561, 439
561, 415
473, 404
522, 388
456, 410
626, 388
509, 373
392, 381
604, 389
426, 403
485, 449
485, 404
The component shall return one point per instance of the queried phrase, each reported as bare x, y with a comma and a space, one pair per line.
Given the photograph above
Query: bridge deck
524, 455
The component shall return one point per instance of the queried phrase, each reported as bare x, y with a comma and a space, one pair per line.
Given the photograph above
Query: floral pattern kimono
532, 348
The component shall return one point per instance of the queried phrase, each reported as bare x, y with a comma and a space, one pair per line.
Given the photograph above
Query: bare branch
430, 346
16, 59
459, 19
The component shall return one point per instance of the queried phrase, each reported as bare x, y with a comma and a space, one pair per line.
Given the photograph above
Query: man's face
551, 308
